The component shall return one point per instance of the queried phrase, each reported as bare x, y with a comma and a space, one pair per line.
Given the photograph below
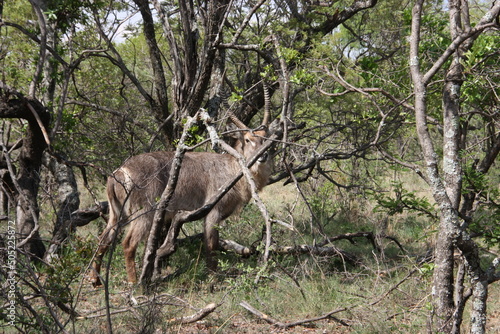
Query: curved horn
237, 122
267, 104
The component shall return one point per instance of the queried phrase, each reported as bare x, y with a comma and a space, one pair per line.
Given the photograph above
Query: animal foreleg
211, 239
169, 245
105, 241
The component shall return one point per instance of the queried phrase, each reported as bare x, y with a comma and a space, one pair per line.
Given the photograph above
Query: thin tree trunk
68, 201
443, 277
160, 104
447, 188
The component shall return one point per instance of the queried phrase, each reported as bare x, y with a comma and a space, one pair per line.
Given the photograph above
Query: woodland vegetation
383, 209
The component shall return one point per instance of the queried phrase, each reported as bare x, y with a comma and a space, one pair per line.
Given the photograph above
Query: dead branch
280, 324
202, 313
369, 235
233, 246
230, 245
255, 196
82, 217
319, 249
150, 253
378, 300
315, 250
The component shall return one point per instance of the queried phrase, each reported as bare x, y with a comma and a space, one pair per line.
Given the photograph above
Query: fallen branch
84, 216
202, 313
319, 249
368, 235
394, 287
284, 325
315, 250
230, 245
159, 300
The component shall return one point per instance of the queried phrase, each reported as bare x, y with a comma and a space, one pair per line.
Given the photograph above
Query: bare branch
202, 313
280, 324
40, 123
486, 22
161, 206
255, 196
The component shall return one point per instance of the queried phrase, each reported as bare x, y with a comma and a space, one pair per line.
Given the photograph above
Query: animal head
250, 141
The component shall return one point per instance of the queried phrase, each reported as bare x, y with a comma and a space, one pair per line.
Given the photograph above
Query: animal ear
263, 127
234, 136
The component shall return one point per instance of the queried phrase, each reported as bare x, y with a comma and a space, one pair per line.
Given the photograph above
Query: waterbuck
134, 188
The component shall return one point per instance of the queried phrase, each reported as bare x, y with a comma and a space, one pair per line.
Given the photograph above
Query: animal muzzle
263, 158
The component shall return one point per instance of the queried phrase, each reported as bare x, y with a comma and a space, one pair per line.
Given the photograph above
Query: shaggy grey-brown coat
135, 187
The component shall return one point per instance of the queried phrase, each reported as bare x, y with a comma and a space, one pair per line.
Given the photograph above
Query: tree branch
284, 325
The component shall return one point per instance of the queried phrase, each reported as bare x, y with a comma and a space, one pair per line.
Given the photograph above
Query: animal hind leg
130, 243
169, 245
105, 241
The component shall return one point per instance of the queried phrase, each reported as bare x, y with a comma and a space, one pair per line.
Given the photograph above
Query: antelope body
134, 188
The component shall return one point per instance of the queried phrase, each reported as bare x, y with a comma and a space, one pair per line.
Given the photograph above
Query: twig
369, 235
200, 314
280, 324
378, 300
292, 278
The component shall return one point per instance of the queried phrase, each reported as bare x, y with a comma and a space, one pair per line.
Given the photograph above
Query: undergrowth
385, 290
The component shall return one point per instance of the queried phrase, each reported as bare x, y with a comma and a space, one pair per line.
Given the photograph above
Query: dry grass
385, 292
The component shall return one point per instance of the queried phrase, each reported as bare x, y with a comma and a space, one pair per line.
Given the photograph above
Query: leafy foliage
404, 200
350, 88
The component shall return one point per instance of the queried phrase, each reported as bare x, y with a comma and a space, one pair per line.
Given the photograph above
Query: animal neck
261, 173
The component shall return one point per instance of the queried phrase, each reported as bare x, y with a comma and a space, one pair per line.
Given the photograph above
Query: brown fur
135, 187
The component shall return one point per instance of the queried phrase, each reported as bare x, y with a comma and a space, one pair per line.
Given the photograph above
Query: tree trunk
27, 180
447, 189
159, 105
192, 63
68, 201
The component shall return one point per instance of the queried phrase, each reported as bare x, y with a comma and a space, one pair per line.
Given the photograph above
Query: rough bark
192, 63
67, 201
446, 188
27, 179
159, 105
443, 277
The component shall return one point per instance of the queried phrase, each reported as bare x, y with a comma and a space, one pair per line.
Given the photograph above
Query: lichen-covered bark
452, 230
447, 186
68, 201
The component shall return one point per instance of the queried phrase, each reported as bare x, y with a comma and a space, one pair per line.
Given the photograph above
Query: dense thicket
362, 90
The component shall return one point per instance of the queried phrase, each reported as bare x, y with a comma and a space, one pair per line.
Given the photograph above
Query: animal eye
247, 140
